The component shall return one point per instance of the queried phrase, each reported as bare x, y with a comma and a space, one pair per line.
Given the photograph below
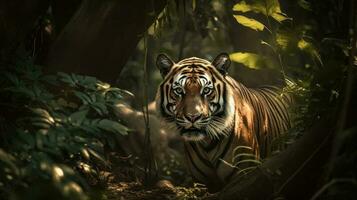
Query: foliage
56, 132
57, 128
289, 49
284, 39
244, 160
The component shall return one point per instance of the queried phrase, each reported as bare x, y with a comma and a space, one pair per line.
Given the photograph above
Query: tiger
215, 114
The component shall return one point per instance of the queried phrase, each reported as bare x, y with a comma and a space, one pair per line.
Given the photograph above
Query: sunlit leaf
72, 189
85, 153
282, 41
274, 11
86, 168
302, 44
44, 119
257, 7
97, 156
102, 85
269, 8
9, 160
193, 5
310, 49
278, 16
251, 60
249, 22
267, 44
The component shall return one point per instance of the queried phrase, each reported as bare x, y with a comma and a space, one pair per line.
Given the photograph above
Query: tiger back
221, 121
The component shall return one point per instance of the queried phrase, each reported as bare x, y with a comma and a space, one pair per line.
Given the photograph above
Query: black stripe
227, 146
204, 160
211, 146
188, 153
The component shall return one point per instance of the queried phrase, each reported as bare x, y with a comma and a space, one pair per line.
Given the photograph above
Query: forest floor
135, 190
122, 184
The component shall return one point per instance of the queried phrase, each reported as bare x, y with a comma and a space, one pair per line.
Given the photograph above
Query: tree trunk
101, 36
17, 19
63, 11
293, 174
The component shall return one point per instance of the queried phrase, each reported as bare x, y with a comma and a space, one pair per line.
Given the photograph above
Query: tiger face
194, 97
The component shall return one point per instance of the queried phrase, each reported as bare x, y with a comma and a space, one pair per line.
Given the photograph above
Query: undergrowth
55, 132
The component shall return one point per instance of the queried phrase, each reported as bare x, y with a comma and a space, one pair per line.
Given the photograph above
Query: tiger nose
193, 117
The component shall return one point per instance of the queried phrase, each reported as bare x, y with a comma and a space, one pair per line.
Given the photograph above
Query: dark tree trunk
63, 11
293, 174
101, 36
17, 19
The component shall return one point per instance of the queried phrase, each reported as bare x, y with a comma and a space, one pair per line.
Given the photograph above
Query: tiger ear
164, 63
222, 63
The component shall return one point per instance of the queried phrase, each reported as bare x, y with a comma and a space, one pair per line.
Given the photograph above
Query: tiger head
195, 97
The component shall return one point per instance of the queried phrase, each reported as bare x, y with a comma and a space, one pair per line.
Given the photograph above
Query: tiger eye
206, 91
178, 91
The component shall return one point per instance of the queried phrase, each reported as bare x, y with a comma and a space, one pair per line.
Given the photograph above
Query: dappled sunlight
241, 99
57, 173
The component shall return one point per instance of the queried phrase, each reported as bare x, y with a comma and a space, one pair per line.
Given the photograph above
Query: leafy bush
289, 49
54, 128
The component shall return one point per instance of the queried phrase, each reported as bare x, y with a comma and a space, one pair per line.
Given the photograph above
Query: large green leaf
251, 60
269, 8
249, 22
112, 126
43, 118
78, 117
84, 97
98, 156
257, 7
274, 11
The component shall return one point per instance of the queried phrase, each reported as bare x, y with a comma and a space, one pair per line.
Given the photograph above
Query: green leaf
66, 78
97, 156
269, 8
249, 22
251, 60
274, 11
304, 4
78, 117
113, 126
100, 108
267, 44
43, 118
282, 41
85, 98
9, 160
256, 7
280, 16
310, 49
